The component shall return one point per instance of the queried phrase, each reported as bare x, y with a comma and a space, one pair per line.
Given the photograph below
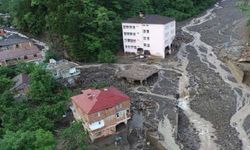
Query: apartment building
149, 34
101, 110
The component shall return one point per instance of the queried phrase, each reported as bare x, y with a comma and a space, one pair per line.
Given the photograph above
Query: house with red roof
101, 110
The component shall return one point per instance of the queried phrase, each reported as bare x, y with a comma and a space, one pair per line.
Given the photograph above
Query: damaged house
63, 69
101, 110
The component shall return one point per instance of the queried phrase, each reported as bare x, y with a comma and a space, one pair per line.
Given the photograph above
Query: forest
90, 30
33, 121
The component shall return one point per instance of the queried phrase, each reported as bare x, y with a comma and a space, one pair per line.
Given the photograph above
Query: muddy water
208, 56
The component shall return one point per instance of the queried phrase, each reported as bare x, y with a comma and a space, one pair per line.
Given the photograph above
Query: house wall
26, 58
108, 116
24, 45
151, 37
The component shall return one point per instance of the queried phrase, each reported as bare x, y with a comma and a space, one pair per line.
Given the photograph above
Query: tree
74, 137
28, 140
87, 27
5, 84
106, 57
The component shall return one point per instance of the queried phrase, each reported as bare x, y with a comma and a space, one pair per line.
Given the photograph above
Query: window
35, 55
147, 38
25, 57
133, 27
117, 115
99, 114
145, 44
144, 31
148, 45
119, 106
144, 38
147, 31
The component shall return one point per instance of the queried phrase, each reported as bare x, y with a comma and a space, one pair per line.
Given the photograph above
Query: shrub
106, 57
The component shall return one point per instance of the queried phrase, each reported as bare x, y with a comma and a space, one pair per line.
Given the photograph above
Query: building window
148, 45
145, 44
147, 31
99, 114
133, 27
117, 115
147, 38
25, 57
35, 55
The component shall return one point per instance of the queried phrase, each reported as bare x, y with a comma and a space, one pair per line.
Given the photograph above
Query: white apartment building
149, 34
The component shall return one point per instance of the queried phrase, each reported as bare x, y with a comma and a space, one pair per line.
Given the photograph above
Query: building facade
149, 34
18, 49
101, 110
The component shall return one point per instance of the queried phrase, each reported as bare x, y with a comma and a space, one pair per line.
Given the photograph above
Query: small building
63, 69
15, 43
149, 34
13, 56
135, 73
21, 84
101, 110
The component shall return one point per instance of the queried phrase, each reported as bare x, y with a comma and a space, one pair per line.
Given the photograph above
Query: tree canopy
86, 28
29, 122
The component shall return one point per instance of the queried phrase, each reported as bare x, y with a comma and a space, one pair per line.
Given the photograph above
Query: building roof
137, 72
12, 41
21, 81
95, 100
149, 19
17, 53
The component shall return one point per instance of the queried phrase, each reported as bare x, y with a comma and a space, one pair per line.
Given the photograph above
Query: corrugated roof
149, 19
13, 41
95, 100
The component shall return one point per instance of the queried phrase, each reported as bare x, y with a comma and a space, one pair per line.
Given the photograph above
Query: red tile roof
95, 100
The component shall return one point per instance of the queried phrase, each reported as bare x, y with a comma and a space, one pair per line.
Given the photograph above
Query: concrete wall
152, 37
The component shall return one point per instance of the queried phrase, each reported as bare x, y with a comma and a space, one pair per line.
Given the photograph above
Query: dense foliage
74, 140
88, 27
28, 122
245, 6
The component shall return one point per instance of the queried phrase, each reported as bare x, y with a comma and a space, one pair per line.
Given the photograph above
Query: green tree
74, 137
5, 84
106, 57
28, 140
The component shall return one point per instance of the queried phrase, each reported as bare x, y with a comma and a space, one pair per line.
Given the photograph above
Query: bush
106, 57
98, 85
51, 54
